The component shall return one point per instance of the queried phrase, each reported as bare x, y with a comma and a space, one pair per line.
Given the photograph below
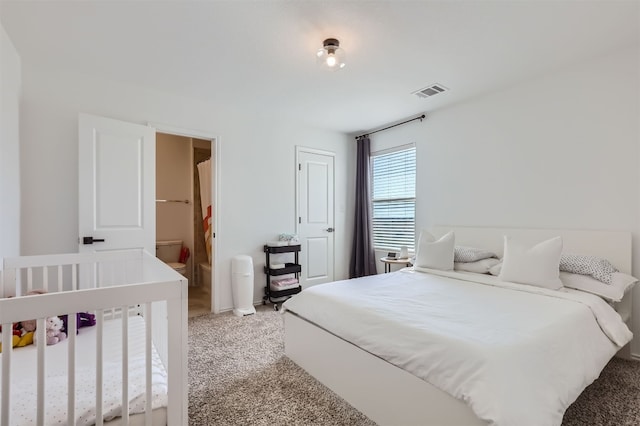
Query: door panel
116, 193
114, 189
316, 179
316, 254
316, 215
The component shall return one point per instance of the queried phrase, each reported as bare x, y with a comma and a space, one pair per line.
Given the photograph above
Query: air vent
429, 91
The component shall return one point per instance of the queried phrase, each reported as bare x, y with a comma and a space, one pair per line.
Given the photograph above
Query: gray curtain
363, 257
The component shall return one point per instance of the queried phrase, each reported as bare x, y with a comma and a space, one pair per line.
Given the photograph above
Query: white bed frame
114, 284
391, 396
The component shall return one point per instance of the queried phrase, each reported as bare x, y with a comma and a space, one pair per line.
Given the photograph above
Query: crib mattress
23, 377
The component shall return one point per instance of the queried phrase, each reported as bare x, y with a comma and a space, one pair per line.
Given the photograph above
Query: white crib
122, 289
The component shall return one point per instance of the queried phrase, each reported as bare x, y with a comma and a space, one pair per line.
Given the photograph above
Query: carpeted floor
238, 375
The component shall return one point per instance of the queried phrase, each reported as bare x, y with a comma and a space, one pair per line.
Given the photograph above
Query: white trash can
242, 285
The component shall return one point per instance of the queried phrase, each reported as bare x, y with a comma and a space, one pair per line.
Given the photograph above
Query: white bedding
516, 354
23, 377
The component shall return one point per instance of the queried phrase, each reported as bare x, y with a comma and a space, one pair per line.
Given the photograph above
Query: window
394, 198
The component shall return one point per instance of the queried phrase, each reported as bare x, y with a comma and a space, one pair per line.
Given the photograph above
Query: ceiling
260, 55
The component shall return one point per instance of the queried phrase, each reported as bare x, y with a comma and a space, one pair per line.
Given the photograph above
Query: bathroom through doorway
185, 213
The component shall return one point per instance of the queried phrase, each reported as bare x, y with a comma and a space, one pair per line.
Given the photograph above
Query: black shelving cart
289, 268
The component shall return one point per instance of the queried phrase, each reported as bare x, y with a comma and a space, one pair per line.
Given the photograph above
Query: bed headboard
614, 246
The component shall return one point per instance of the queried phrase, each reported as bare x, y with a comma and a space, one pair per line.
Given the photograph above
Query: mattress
515, 354
23, 377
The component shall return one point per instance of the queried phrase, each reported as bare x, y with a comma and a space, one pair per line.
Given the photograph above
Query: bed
130, 368
454, 380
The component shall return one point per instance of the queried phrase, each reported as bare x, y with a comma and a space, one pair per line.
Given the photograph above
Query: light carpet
239, 375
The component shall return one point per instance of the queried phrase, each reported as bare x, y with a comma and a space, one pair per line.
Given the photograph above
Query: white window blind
394, 198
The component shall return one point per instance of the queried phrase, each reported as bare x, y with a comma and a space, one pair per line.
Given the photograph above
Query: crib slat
74, 276
125, 366
6, 374
148, 319
71, 369
99, 325
29, 279
45, 278
60, 278
42, 343
10, 284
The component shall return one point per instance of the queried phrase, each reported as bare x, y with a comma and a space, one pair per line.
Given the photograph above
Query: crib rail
163, 287
69, 272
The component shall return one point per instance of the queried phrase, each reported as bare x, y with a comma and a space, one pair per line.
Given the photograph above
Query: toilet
169, 253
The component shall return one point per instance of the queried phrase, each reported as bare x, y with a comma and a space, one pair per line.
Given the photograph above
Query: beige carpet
238, 375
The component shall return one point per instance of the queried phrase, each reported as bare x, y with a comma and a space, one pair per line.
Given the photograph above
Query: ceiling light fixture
331, 55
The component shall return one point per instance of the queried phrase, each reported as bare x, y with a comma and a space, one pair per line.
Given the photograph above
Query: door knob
329, 229
91, 240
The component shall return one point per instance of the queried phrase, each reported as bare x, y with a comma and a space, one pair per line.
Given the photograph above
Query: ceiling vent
429, 91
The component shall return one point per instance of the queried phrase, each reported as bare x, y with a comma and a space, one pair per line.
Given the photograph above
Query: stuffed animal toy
15, 338
83, 319
53, 331
27, 329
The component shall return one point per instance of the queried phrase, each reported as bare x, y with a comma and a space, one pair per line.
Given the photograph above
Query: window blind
394, 199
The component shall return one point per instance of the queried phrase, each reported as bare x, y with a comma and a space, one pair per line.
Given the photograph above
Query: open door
116, 193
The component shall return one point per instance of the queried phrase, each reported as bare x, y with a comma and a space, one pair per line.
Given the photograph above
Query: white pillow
599, 268
538, 265
620, 283
481, 266
434, 254
496, 269
471, 254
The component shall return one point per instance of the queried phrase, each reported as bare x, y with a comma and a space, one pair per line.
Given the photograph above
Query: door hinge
214, 235
299, 166
299, 219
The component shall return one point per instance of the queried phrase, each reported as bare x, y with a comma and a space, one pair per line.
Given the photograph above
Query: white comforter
516, 354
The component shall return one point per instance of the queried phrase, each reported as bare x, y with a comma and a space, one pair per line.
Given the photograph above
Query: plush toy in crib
53, 332
22, 334
15, 337
27, 330
83, 319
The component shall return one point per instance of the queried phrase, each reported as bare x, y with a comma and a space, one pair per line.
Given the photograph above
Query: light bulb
331, 56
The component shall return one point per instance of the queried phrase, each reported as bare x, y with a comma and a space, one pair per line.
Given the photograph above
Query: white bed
391, 395
143, 355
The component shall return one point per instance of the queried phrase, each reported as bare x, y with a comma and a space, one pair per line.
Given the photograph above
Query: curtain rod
389, 127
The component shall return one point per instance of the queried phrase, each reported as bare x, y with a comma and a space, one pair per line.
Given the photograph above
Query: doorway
315, 210
185, 167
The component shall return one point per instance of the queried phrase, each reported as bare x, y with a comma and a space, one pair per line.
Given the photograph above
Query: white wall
10, 87
257, 170
561, 151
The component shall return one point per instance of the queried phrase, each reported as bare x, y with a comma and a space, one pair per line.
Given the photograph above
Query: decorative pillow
496, 269
537, 265
597, 267
471, 254
435, 254
479, 267
620, 283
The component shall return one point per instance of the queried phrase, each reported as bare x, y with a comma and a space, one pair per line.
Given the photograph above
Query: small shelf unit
277, 296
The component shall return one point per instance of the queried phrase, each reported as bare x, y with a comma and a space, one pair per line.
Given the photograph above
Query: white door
315, 201
116, 194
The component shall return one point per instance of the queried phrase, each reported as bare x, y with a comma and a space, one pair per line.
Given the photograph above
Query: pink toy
53, 331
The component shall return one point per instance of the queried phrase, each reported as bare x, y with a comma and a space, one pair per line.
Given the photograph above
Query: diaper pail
242, 285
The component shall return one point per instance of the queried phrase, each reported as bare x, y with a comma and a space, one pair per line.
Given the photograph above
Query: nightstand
388, 261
